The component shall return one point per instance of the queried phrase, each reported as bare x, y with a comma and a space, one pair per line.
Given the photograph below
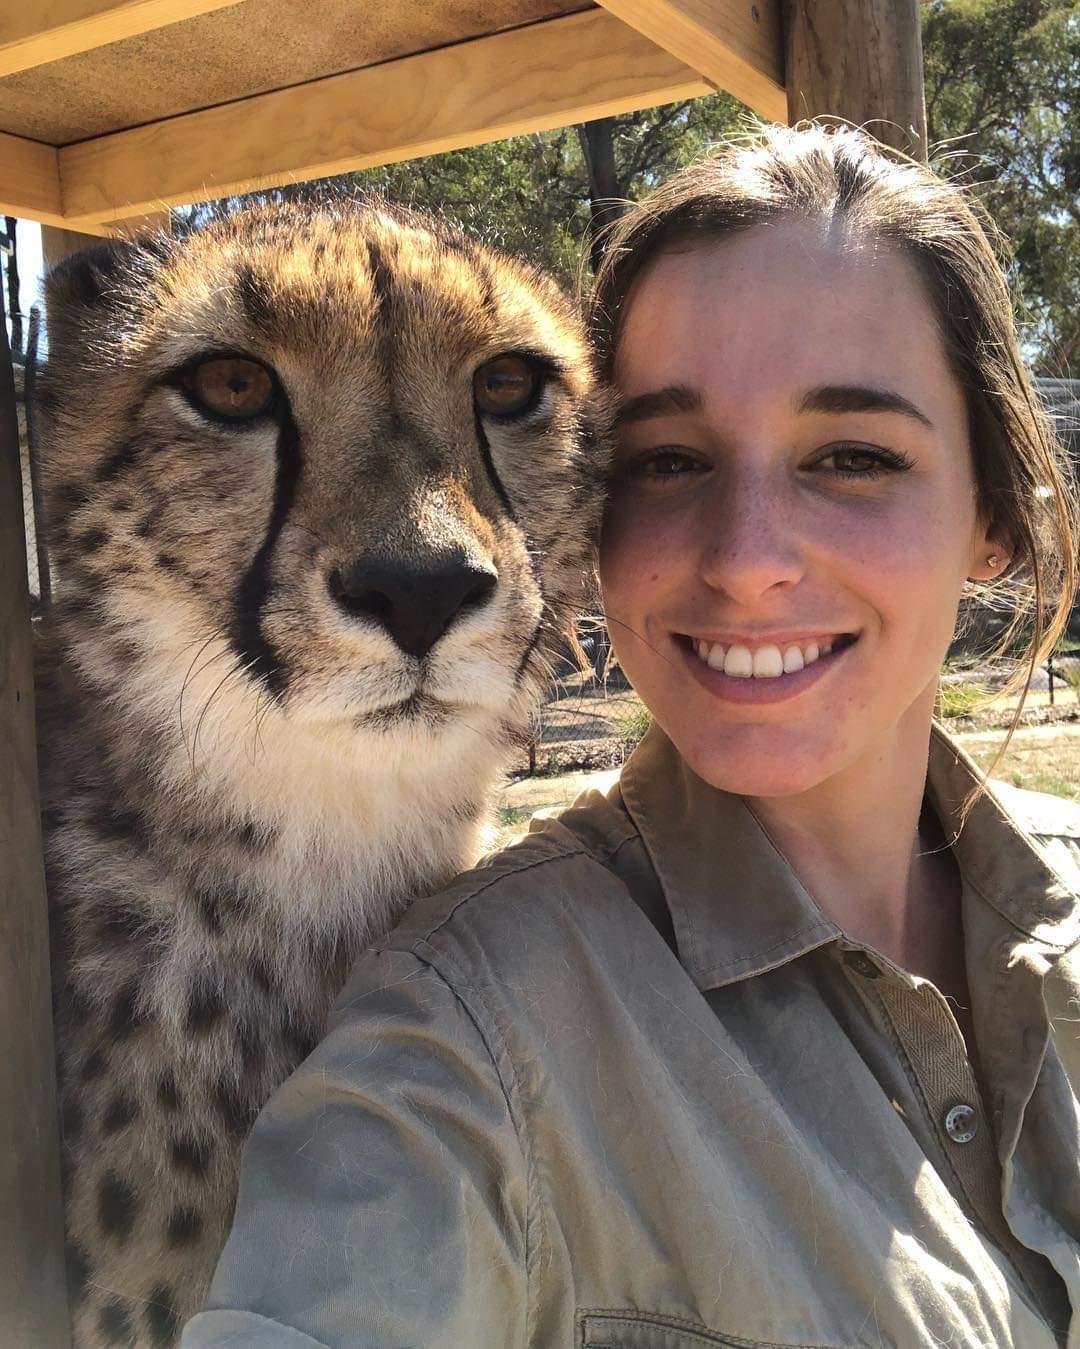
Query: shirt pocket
646, 1330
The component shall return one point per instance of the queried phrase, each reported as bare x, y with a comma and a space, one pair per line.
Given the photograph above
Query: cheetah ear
90, 286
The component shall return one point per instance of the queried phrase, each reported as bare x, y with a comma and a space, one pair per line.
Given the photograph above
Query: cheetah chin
322, 486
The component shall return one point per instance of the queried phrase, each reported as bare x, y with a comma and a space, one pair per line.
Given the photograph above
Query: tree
1003, 113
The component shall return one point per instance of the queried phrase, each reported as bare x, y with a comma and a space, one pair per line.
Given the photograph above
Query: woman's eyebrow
860, 398
659, 403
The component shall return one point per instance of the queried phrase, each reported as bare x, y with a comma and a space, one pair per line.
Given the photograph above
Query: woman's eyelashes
855, 461
850, 461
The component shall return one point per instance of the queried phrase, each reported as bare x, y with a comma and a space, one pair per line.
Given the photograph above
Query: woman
775, 1044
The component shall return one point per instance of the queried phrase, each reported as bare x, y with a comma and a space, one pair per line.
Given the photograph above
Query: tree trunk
860, 62
607, 195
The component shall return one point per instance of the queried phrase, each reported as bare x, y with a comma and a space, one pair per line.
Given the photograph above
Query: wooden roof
111, 109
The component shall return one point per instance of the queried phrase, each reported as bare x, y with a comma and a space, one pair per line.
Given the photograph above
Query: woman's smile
754, 671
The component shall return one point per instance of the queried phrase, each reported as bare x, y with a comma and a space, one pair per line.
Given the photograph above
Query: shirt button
861, 963
961, 1124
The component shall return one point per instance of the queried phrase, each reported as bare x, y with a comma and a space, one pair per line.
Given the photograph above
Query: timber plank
564, 70
734, 44
49, 30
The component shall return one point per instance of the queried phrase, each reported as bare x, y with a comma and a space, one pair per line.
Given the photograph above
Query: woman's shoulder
559, 874
1040, 814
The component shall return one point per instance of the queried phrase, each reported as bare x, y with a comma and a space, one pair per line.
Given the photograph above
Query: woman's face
794, 496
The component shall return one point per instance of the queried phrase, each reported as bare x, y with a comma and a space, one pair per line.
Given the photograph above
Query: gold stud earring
992, 560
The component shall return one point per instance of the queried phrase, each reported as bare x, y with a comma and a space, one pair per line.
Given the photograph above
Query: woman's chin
761, 765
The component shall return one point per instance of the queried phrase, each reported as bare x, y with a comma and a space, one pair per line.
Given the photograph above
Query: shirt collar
737, 907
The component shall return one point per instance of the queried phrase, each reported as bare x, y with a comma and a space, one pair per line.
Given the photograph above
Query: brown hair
838, 173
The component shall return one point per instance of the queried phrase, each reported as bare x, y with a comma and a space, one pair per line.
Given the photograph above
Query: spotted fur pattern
241, 782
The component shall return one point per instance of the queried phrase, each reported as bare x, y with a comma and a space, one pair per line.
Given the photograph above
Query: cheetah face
341, 463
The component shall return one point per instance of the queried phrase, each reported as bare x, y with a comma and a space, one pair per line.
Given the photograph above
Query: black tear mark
184, 1227
162, 1316
119, 1113
118, 1207
256, 586
114, 1322
191, 1155
489, 464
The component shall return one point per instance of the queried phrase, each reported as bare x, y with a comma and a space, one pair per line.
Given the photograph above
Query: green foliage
512, 815
960, 700
633, 725
1002, 78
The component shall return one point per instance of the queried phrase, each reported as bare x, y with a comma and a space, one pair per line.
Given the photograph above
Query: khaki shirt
535, 1123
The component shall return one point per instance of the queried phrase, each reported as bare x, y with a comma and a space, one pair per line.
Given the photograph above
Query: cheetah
322, 486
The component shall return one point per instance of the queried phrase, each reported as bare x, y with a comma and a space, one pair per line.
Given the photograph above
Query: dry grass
1040, 758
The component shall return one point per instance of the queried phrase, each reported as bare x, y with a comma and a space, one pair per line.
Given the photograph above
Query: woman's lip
800, 638
758, 691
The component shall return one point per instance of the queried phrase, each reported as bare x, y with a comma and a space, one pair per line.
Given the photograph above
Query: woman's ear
991, 553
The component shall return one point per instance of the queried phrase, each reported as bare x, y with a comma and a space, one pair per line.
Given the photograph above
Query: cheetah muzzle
322, 486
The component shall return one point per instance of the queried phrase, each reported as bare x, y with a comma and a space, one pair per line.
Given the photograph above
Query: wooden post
57, 243
860, 60
33, 1298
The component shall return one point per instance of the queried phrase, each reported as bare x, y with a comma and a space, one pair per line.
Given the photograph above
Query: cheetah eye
231, 387
507, 385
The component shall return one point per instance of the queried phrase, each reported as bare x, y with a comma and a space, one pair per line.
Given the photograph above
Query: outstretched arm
383, 1193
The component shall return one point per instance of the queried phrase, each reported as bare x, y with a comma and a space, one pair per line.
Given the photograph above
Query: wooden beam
30, 182
549, 74
734, 44
33, 34
861, 62
33, 1304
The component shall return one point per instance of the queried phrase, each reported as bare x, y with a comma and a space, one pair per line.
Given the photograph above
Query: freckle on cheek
655, 576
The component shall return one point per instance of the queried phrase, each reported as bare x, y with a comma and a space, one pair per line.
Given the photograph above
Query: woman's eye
862, 461
662, 465
507, 386
231, 387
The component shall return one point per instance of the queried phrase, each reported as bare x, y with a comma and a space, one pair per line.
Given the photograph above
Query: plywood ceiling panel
248, 49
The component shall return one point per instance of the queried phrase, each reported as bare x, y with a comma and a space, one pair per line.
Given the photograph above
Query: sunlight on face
793, 488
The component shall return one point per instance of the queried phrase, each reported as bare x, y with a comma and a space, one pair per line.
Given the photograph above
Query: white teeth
739, 663
768, 663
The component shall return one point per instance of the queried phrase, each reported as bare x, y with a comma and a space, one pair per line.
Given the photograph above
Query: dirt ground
1042, 758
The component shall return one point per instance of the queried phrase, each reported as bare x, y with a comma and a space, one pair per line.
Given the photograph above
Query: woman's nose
750, 538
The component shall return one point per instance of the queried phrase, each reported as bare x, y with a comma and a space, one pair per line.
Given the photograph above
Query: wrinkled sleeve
383, 1192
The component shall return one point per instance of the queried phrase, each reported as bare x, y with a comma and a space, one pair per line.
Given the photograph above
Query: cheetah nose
415, 601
